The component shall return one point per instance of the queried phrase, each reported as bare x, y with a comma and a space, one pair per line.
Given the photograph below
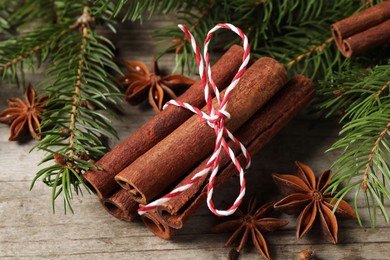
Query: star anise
140, 83
24, 115
252, 223
305, 195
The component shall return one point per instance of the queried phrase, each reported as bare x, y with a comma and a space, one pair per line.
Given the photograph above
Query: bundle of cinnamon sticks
363, 30
174, 145
113, 197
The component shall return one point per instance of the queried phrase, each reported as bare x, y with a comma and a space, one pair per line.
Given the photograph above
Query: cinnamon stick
363, 30
157, 225
360, 42
164, 164
102, 181
259, 130
121, 205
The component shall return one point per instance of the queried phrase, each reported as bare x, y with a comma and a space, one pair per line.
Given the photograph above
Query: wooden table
29, 230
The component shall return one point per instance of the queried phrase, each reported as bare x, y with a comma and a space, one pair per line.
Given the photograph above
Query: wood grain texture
29, 230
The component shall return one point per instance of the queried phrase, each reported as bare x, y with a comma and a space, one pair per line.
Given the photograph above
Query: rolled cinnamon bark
258, 131
361, 42
164, 164
102, 181
121, 205
157, 225
372, 19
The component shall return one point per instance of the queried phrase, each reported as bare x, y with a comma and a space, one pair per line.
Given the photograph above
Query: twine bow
215, 118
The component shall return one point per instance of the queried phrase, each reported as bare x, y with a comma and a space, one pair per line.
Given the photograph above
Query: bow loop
215, 118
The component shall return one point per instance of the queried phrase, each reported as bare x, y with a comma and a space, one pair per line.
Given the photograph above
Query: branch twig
83, 21
371, 156
318, 48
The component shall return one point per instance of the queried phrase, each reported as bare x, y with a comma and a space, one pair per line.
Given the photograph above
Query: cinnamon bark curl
168, 161
114, 199
363, 30
255, 133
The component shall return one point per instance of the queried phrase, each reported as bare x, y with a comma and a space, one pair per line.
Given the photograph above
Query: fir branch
265, 19
294, 32
84, 20
31, 48
22, 14
24, 55
312, 50
364, 164
306, 49
138, 9
379, 92
373, 153
302, 38
195, 17
75, 135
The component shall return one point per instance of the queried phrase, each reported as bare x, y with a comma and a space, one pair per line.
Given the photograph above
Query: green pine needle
81, 71
364, 164
295, 32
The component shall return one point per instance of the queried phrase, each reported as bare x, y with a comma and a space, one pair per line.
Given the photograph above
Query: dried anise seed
24, 115
306, 197
252, 223
140, 83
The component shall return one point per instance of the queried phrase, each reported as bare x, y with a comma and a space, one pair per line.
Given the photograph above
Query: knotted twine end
215, 118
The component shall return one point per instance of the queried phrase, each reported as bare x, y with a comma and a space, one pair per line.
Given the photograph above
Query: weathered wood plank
350, 252
28, 229
208, 246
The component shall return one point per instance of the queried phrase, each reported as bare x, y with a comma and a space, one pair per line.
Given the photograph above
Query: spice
102, 180
251, 224
155, 224
306, 196
166, 163
121, 205
363, 30
139, 81
254, 134
24, 115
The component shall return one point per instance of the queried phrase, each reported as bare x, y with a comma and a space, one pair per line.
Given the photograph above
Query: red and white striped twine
215, 118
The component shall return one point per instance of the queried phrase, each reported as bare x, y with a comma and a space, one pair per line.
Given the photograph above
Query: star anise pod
140, 83
252, 223
306, 197
24, 115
